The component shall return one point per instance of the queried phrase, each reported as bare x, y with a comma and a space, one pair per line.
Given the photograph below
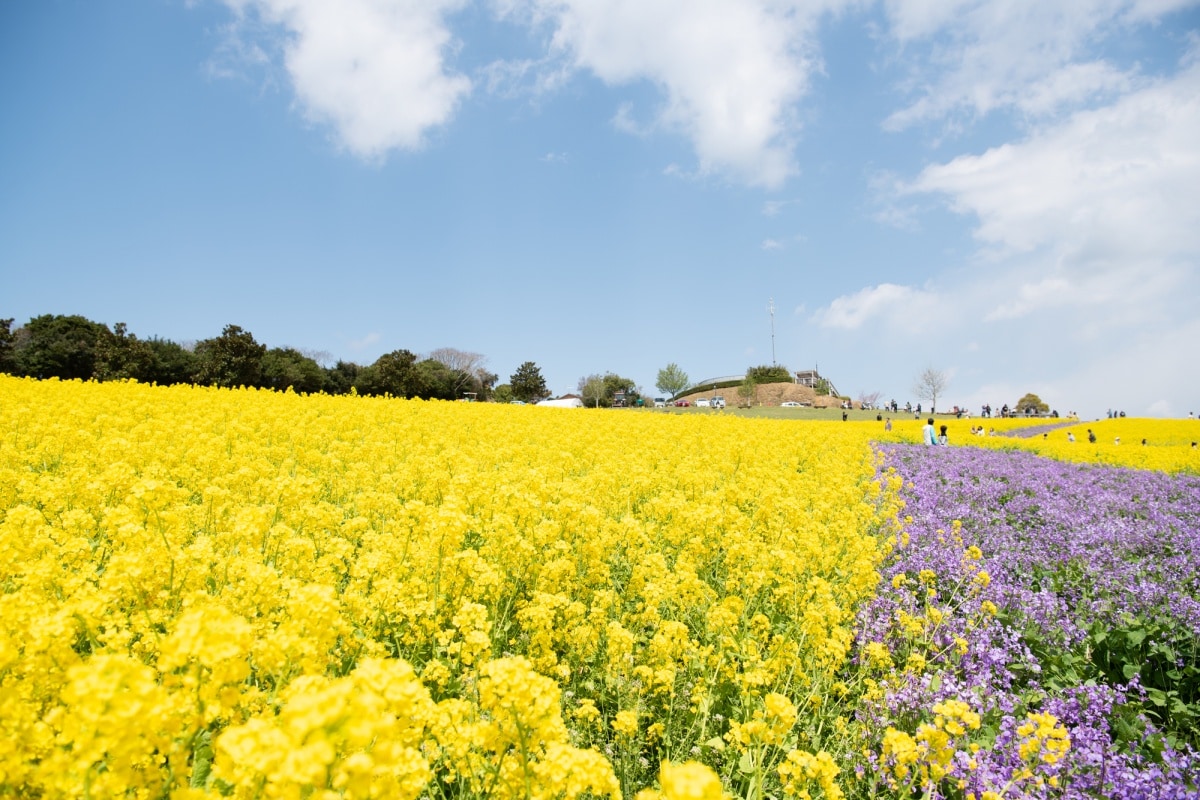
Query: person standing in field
928, 433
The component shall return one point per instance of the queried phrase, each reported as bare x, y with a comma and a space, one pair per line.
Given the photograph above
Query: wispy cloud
365, 342
772, 208
969, 58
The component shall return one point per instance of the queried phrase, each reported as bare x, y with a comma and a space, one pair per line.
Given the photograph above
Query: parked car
790, 404
660, 402
702, 402
718, 401
682, 403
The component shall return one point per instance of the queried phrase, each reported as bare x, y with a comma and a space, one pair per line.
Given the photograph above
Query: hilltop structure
812, 379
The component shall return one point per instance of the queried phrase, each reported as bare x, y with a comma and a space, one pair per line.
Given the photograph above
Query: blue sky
1007, 191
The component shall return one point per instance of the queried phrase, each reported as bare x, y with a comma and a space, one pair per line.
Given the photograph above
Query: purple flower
1068, 555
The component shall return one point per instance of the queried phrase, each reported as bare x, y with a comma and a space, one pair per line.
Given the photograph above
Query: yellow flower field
1168, 446
241, 593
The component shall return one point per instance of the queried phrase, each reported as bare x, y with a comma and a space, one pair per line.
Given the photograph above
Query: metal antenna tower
771, 311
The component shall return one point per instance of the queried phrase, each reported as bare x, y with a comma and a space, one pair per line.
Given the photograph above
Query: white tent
563, 402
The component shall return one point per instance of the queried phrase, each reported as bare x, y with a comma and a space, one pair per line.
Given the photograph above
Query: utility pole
771, 311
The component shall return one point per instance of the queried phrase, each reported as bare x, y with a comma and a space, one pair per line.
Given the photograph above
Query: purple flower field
1061, 604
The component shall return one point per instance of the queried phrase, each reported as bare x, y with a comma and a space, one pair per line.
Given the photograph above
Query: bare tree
930, 385
869, 399
471, 367
322, 357
460, 360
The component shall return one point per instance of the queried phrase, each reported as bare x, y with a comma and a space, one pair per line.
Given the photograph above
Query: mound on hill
770, 394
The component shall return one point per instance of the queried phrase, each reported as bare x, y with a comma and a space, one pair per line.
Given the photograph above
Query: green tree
1031, 403
746, 391
440, 382
614, 383
502, 393
8, 362
393, 373
170, 363
123, 355
285, 366
485, 383
56, 346
600, 390
770, 373
528, 384
671, 380
232, 359
342, 377
591, 389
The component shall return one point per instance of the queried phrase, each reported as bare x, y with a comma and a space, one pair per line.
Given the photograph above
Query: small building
812, 379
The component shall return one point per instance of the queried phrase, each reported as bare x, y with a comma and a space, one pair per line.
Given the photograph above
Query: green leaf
746, 764
1136, 636
1157, 696
202, 758
716, 743
1129, 670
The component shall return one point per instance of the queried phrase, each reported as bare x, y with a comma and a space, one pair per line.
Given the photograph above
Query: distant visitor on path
928, 433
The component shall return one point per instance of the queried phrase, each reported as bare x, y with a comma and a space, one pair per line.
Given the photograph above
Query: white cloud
729, 73
374, 70
971, 57
896, 305
1123, 175
1087, 276
772, 244
1096, 212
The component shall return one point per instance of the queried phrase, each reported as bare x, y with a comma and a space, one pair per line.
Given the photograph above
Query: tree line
74, 347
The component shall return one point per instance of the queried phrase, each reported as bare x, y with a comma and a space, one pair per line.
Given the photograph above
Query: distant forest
74, 347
